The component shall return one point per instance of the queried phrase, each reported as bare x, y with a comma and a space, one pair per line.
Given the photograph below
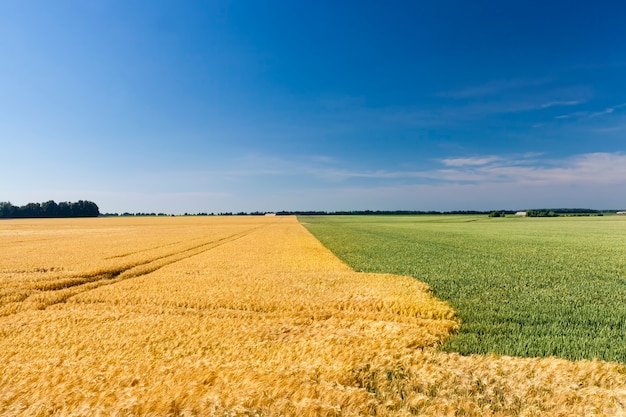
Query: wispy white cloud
587, 114
597, 168
457, 162
572, 115
561, 103
594, 180
509, 97
530, 169
591, 168
608, 110
265, 182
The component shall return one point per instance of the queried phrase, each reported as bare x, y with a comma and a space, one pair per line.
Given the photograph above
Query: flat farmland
229, 316
520, 286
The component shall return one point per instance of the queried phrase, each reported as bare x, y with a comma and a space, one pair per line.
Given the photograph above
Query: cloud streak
530, 168
502, 97
591, 168
590, 115
561, 103
596, 180
458, 162
608, 110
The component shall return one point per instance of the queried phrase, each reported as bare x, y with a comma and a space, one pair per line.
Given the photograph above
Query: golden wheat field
244, 316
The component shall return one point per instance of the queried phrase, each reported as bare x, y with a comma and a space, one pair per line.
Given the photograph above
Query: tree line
49, 209
538, 212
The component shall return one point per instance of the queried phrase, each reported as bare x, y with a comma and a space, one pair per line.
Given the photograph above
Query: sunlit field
238, 316
520, 286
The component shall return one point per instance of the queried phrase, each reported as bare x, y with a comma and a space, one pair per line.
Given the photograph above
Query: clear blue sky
216, 106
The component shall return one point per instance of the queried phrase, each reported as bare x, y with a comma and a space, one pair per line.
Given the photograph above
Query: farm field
239, 316
532, 287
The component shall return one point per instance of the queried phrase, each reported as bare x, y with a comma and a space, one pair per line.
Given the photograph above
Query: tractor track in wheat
47, 293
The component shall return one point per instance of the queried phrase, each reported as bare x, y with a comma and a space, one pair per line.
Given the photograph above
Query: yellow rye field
238, 316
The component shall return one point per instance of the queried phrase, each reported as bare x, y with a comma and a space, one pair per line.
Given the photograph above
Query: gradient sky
165, 106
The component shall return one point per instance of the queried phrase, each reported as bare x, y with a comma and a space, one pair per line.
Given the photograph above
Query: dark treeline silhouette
227, 213
126, 214
49, 209
378, 212
572, 211
500, 213
545, 211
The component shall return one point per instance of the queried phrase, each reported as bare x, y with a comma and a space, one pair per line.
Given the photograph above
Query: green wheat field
520, 286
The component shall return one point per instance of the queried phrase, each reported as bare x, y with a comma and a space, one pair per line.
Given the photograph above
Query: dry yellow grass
244, 316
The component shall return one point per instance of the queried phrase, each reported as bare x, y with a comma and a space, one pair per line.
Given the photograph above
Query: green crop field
521, 286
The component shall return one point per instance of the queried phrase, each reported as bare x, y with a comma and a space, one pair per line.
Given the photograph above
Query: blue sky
176, 107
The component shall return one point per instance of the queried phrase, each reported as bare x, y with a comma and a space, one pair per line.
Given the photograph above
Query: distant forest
82, 208
49, 209
530, 213
571, 211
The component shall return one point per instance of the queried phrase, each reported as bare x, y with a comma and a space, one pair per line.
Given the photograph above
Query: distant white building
621, 212
520, 213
